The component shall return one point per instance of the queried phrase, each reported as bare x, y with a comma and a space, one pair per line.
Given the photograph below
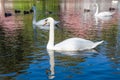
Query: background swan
39, 23
102, 14
71, 44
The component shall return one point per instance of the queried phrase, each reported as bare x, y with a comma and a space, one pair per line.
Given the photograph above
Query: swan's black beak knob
45, 22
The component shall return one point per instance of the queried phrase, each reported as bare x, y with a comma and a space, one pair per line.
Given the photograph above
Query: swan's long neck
50, 44
34, 15
97, 8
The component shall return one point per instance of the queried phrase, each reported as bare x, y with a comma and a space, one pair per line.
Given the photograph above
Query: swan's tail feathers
97, 43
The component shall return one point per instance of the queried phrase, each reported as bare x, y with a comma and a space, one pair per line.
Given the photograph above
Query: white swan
114, 1
102, 14
39, 23
71, 44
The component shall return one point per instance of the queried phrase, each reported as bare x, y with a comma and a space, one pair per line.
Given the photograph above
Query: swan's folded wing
74, 44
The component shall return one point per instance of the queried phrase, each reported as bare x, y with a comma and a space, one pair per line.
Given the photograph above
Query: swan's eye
46, 20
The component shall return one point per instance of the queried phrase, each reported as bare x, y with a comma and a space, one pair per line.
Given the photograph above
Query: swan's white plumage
114, 1
75, 44
105, 14
71, 44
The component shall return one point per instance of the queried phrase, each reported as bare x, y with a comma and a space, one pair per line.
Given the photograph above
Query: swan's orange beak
45, 22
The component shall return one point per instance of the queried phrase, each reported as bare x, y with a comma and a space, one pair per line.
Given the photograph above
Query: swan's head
49, 21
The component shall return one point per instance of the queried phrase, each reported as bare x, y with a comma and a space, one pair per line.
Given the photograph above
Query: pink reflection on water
83, 24
11, 23
9, 27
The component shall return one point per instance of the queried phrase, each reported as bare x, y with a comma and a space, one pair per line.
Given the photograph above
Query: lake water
23, 54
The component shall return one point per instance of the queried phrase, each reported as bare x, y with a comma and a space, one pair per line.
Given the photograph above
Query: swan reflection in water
78, 54
52, 64
83, 53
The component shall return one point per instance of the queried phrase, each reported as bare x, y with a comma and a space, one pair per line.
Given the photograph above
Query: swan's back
74, 44
105, 14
